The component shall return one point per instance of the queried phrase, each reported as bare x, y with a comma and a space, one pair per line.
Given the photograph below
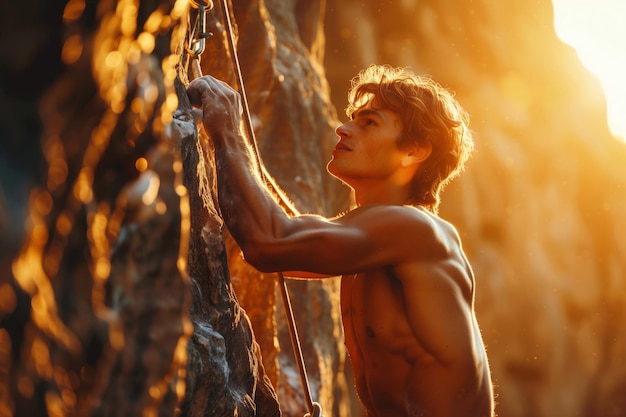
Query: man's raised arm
273, 240
249, 210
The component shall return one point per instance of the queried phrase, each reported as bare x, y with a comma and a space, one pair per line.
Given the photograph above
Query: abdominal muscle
380, 342
394, 374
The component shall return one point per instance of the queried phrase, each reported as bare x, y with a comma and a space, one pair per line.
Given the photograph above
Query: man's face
367, 147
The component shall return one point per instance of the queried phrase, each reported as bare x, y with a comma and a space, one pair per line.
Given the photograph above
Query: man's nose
342, 130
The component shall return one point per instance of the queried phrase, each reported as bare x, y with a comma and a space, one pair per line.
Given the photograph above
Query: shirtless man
407, 290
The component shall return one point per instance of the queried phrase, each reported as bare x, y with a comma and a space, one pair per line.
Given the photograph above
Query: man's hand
220, 104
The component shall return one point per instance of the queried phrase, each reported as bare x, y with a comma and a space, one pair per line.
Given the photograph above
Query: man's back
410, 329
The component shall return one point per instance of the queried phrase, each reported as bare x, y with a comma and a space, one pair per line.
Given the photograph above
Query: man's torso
385, 352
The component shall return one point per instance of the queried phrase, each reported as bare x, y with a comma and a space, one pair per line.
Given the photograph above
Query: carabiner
198, 44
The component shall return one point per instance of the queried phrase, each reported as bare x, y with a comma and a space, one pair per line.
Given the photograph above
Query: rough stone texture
540, 208
225, 373
116, 297
106, 331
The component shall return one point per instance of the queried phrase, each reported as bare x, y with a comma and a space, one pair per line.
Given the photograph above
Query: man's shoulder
402, 214
409, 224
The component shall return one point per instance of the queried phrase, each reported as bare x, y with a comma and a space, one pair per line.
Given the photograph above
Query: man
407, 290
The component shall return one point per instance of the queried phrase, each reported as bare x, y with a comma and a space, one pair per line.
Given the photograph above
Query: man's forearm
250, 212
249, 209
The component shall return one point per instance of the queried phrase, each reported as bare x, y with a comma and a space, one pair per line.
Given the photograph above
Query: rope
295, 342
315, 410
293, 332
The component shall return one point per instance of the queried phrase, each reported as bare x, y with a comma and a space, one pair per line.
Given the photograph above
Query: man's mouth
342, 147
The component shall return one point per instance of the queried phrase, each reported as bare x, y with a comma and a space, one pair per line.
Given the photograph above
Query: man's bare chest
374, 315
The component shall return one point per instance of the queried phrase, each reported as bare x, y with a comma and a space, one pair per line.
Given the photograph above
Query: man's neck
381, 194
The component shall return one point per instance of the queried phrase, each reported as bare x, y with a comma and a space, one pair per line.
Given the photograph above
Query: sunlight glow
596, 29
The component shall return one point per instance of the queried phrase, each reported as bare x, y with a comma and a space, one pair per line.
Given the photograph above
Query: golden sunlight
596, 29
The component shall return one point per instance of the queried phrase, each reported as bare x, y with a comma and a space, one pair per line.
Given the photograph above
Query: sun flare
596, 29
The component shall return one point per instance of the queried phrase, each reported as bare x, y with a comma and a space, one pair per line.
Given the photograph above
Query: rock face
96, 302
116, 296
121, 292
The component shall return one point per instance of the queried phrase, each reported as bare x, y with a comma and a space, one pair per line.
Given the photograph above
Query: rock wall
116, 296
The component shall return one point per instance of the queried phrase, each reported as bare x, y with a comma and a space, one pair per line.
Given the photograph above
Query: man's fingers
215, 103
200, 89
195, 90
203, 88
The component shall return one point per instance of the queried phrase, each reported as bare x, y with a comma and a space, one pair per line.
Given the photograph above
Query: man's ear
417, 154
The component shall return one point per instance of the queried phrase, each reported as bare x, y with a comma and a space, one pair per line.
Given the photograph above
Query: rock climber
407, 288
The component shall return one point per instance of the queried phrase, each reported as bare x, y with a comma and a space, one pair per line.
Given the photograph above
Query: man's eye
370, 122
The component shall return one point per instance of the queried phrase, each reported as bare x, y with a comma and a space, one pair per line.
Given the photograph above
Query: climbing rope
195, 49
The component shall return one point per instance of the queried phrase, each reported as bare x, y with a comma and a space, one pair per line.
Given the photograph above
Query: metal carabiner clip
197, 45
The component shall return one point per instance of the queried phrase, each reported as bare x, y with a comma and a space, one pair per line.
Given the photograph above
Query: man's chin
332, 169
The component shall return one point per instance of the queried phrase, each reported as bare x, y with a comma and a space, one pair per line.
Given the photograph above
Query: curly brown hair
429, 114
